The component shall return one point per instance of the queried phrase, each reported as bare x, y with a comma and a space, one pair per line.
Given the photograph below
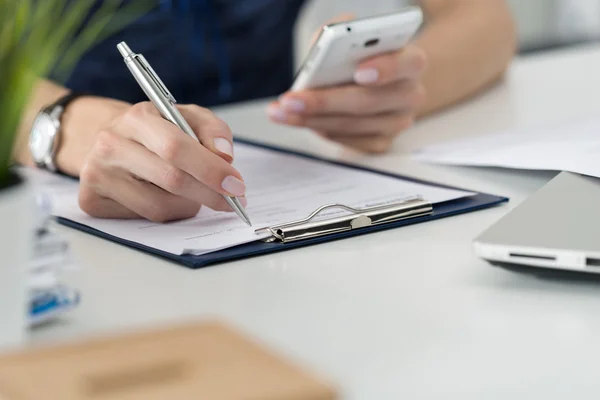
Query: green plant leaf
38, 36
21, 17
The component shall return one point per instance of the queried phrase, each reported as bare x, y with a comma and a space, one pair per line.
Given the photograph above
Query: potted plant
36, 38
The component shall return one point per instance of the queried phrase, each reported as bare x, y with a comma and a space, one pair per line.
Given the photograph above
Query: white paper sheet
281, 188
573, 147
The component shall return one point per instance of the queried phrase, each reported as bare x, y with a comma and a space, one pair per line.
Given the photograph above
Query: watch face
42, 137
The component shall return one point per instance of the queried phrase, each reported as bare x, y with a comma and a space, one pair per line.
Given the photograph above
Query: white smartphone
341, 47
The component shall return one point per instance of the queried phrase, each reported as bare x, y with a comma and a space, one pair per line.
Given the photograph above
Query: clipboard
313, 230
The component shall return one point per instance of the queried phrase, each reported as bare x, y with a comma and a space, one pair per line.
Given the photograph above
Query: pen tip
237, 206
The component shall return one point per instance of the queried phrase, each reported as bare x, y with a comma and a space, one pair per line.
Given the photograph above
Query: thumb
340, 18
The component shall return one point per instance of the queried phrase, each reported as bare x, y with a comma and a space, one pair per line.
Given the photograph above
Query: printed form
281, 188
572, 146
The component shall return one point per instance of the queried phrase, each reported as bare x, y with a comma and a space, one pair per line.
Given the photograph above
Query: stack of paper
281, 188
573, 147
48, 297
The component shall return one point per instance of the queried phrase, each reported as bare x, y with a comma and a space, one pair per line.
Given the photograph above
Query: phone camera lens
371, 43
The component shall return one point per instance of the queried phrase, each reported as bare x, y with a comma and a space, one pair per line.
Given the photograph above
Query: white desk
403, 314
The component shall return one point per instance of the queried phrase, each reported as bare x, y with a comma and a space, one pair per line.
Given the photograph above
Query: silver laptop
558, 228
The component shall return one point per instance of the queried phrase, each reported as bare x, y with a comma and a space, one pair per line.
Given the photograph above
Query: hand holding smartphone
361, 84
341, 47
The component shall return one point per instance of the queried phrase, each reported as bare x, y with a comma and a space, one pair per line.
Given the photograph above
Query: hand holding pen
164, 102
141, 164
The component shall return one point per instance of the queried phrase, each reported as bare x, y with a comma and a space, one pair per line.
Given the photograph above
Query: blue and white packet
48, 305
49, 298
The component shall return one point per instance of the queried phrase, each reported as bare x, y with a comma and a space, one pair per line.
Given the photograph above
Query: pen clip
154, 76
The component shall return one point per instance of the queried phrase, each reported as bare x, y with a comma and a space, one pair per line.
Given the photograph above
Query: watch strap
62, 103
66, 99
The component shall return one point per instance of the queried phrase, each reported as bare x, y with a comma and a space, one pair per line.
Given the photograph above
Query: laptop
557, 228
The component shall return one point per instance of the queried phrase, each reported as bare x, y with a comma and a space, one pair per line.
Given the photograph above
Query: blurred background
543, 24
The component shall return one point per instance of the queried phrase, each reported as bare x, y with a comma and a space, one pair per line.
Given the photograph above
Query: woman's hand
138, 165
370, 112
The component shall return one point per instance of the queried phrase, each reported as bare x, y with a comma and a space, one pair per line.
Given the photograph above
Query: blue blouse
207, 52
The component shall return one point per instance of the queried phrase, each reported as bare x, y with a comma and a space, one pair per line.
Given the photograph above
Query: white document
573, 147
281, 188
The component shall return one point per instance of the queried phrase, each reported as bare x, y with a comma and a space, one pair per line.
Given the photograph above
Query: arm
132, 163
80, 123
469, 45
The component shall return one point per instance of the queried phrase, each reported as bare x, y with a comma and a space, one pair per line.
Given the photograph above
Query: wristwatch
44, 138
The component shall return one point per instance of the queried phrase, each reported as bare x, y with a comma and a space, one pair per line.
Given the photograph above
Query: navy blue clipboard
440, 210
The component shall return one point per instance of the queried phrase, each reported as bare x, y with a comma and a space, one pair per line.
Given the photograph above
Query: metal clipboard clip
307, 228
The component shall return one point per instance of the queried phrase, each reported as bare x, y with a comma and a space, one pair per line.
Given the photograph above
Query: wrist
80, 124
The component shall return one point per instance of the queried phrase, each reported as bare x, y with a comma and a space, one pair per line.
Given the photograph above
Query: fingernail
234, 186
276, 113
365, 76
293, 105
224, 146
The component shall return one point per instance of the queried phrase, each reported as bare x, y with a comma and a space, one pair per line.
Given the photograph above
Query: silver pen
164, 101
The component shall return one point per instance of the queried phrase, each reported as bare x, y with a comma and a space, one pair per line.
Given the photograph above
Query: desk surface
413, 314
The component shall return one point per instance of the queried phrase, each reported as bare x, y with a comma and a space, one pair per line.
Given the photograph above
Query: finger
152, 202
213, 133
350, 99
386, 125
95, 180
142, 198
370, 143
134, 159
112, 193
102, 207
181, 151
409, 63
